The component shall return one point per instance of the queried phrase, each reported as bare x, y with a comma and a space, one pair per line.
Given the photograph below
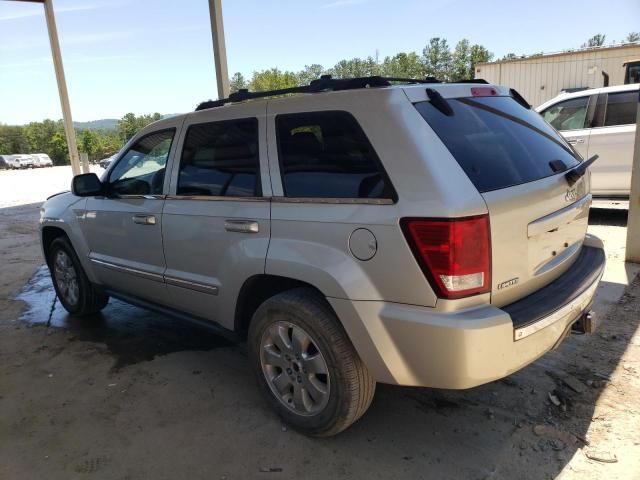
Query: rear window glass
621, 108
327, 155
498, 142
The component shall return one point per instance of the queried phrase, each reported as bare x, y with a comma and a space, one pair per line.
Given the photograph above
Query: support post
62, 87
632, 253
84, 161
219, 49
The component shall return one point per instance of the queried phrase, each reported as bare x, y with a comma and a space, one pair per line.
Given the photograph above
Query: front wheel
74, 290
307, 365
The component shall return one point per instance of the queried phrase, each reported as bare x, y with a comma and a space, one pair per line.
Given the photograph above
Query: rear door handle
241, 226
574, 141
144, 219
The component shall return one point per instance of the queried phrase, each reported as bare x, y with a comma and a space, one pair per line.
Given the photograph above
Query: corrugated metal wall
542, 78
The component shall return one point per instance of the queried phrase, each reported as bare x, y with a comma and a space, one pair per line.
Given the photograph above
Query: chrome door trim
348, 201
134, 271
216, 198
198, 287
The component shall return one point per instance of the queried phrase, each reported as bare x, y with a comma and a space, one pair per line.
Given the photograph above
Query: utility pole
219, 49
632, 253
62, 84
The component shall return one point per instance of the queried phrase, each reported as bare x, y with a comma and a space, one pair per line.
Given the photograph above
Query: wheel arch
258, 288
48, 235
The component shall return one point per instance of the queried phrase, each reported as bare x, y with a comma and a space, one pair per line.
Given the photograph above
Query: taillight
454, 254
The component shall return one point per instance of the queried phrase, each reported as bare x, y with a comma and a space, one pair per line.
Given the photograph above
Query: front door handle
144, 219
241, 226
574, 141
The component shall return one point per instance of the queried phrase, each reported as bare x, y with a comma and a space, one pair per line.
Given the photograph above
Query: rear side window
221, 159
327, 155
568, 115
621, 108
498, 142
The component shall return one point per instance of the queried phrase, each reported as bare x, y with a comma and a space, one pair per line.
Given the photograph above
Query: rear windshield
498, 142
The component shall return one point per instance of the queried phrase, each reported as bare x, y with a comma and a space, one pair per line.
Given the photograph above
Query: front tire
306, 364
74, 290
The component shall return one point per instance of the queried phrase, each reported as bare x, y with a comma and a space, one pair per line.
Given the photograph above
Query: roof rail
322, 84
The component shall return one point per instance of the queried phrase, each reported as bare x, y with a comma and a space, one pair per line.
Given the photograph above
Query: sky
145, 56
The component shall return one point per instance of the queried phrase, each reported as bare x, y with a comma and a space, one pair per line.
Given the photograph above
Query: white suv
599, 121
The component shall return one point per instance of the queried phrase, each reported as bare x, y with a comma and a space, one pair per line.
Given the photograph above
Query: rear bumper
411, 345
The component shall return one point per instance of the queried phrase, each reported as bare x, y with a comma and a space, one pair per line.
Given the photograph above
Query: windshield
498, 142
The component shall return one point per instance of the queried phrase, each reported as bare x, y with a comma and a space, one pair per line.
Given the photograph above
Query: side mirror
86, 185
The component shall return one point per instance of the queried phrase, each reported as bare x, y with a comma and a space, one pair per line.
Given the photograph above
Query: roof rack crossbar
322, 84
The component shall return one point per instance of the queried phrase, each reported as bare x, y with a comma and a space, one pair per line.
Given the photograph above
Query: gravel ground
133, 395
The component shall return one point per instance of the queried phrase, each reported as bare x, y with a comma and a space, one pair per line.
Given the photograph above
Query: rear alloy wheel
294, 368
74, 290
306, 364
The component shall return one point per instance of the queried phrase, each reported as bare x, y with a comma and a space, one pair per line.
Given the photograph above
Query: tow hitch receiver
586, 324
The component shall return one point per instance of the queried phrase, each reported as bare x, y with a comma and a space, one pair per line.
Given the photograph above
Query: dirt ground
134, 395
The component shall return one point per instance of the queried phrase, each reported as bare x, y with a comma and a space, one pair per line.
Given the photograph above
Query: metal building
541, 78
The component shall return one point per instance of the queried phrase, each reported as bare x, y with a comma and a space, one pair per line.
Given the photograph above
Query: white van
41, 160
599, 121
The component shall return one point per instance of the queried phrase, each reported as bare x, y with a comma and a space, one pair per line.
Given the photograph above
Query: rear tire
74, 290
294, 338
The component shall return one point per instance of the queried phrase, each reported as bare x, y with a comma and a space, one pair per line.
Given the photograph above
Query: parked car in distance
105, 162
599, 121
421, 234
22, 161
42, 160
5, 162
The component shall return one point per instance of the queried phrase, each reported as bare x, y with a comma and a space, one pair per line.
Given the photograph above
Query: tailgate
537, 230
517, 161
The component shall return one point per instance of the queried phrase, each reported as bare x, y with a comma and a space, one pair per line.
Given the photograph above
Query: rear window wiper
579, 170
439, 102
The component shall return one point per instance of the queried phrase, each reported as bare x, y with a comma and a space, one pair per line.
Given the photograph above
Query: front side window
327, 155
221, 159
621, 108
568, 115
141, 170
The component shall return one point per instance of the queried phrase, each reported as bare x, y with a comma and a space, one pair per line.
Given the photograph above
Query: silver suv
421, 234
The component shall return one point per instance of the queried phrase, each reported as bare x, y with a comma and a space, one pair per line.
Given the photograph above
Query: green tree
89, 142
58, 150
129, 125
437, 58
237, 82
595, 41
38, 134
403, 65
13, 140
272, 79
356, 67
310, 73
461, 61
477, 54
633, 37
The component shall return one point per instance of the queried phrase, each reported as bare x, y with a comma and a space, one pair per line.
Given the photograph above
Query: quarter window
221, 159
141, 170
621, 108
567, 115
327, 155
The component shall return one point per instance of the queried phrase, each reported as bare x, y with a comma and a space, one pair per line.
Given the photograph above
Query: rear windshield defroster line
498, 142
